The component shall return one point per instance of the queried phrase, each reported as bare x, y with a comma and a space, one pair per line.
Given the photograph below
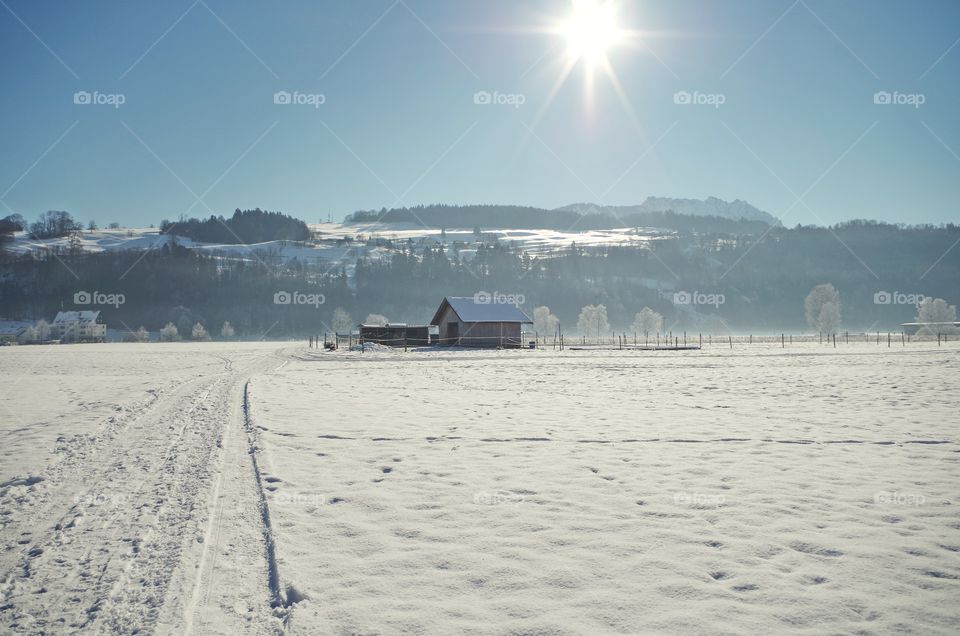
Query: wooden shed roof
469, 309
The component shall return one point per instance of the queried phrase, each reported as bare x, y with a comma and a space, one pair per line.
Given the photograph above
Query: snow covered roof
482, 308
76, 316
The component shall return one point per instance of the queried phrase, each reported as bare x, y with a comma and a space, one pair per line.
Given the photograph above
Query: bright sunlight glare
591, 29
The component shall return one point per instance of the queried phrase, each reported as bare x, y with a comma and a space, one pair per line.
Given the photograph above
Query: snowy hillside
334, 242
711, 206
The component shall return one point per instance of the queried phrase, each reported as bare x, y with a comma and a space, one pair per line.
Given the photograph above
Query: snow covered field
755, 490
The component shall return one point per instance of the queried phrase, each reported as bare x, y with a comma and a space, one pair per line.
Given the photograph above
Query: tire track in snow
281, 599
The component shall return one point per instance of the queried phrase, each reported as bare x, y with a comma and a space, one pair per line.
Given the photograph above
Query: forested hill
527, 218
245, 226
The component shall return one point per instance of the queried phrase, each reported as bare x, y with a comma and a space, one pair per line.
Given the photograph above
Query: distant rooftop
471, 309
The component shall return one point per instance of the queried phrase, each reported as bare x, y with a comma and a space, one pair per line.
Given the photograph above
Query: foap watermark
698, 298
698, 499
296, 98
696, 98
885, 498
496, 98
98, 298
298, 298
96, 98
101, 499
896, 98
497, 497
897, 298
298, 499
497, 298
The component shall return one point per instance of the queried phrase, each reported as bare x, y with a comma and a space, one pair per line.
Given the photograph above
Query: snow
759, 489
331, 246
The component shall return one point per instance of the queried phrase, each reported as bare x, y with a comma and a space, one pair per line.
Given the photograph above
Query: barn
479, 321
396, 334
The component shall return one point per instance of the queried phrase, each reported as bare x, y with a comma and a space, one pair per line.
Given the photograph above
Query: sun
590, 30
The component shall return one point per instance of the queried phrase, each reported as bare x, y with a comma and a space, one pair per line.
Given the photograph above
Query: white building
78, 326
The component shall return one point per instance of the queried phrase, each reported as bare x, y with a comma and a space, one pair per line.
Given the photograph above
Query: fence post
783, 342
730, 338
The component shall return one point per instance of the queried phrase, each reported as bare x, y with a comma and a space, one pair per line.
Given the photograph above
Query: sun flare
591, 30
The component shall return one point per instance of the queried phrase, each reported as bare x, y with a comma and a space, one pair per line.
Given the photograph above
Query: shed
479, 321
396, 334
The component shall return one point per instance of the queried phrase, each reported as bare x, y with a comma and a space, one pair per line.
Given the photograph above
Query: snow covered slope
711, 206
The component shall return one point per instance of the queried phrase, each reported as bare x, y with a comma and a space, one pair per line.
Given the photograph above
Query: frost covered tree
226, 331
829, 319
42, 331
813, 308
543, 321
29, 335
647, 321
937, 310
342, 322
376, 319
593, 319
140, 335
199, 332
169, 333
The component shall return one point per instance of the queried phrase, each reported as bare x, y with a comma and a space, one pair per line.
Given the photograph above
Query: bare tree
593, 318
342, 322
829, 319
169, 333
937, 310
376, 319
646, 321
199, 332
813, 308
543, 321
227, 331
42, 330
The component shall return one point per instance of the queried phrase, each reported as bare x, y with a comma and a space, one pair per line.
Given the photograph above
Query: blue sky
798, 133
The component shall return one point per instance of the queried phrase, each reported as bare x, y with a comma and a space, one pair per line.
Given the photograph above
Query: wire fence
632, 341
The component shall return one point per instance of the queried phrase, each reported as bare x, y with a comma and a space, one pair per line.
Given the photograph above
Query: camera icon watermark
497, 298
884, 498
698, 298
298, 298
896, 98
298, 499
696, 98
698, 499
296, 98
98, 298
897, 298
496, 98
96, 98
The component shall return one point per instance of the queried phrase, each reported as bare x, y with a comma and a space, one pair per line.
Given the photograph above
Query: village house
78, 326
478, 321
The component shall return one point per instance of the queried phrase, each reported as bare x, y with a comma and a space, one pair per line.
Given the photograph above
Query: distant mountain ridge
711, 206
